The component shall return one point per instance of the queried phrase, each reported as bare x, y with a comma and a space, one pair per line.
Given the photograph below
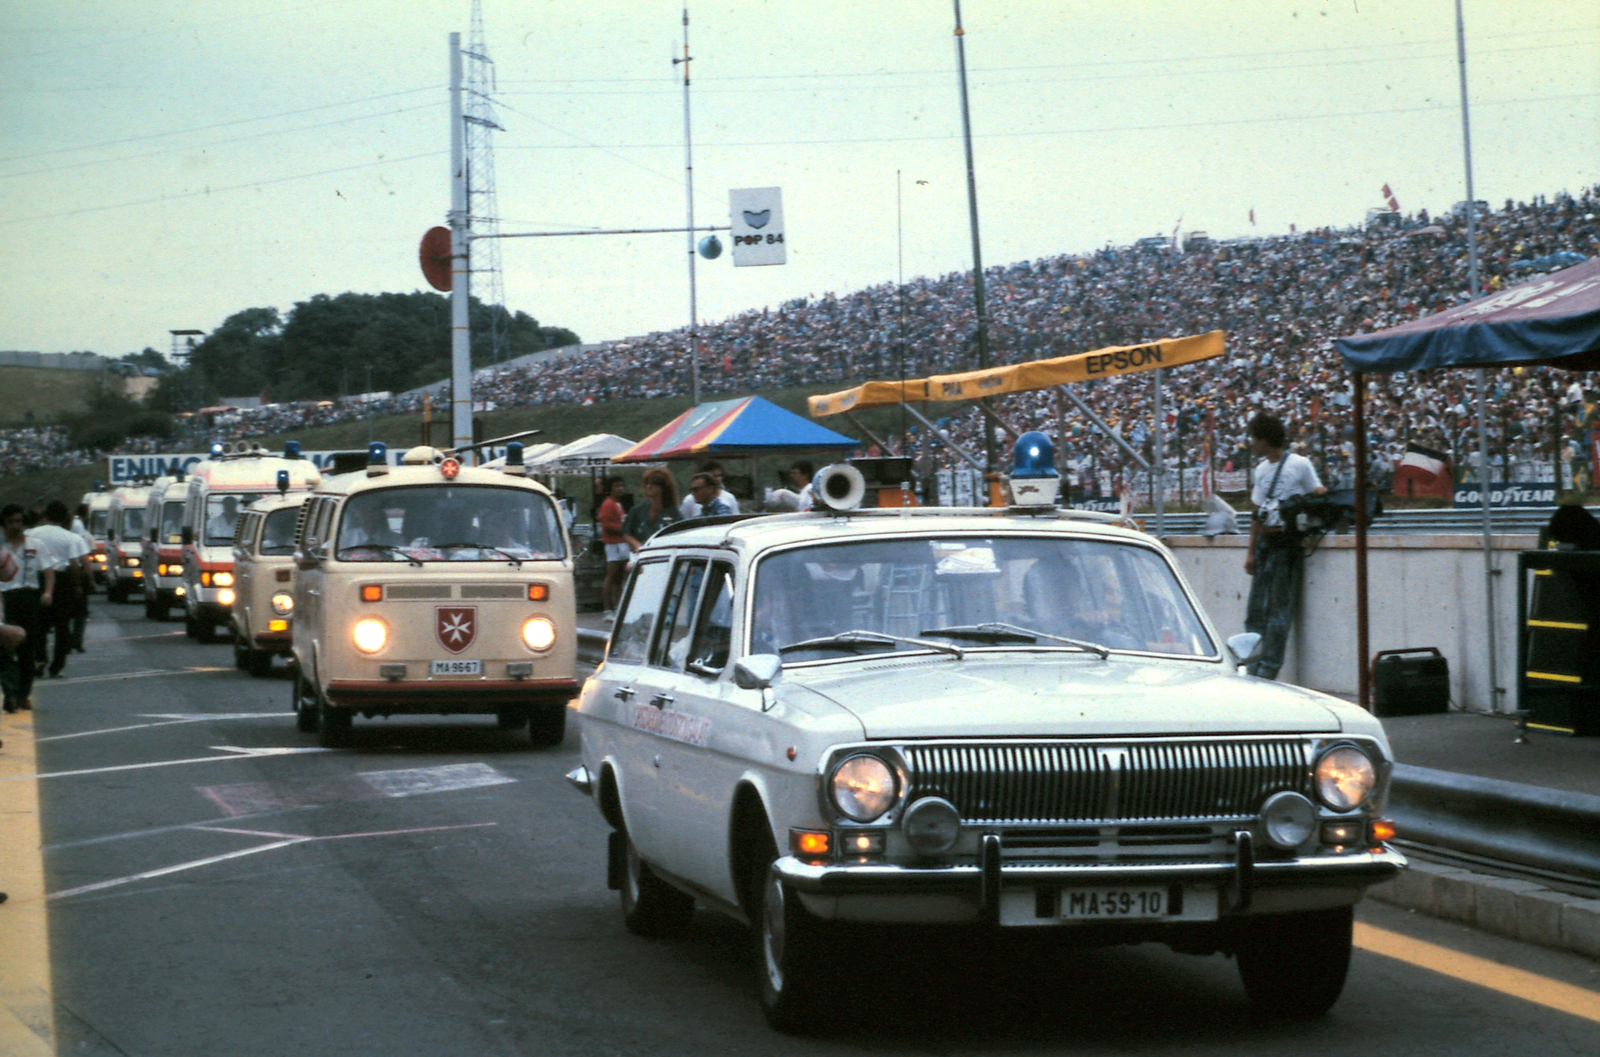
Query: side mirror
1245, 646
757, 671
306, 557
187, 535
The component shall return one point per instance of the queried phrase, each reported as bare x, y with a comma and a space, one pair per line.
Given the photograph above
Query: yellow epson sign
1021, 377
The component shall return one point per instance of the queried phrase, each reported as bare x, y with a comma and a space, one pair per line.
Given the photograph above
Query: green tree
238, 357
113, 417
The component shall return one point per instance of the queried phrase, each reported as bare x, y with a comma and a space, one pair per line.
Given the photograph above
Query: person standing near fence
71, 563
1274, 560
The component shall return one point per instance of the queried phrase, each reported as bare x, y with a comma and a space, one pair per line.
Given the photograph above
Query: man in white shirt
22, 595
802, 473
71, 557
691, 508
1274, 559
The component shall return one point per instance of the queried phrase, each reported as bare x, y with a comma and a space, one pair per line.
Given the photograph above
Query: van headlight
538, 633
225, 596
1345, 778
370, 634
223, 579
863, 787
283, 603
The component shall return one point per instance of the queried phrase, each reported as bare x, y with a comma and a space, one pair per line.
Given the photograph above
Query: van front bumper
449, 696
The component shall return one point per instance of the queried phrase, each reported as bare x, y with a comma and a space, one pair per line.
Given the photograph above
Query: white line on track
170, 719
286, 841
235, 753
143, 673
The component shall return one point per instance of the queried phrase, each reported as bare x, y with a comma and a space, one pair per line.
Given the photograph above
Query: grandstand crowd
1281, 301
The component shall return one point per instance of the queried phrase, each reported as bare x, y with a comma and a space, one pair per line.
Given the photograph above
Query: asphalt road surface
218, 885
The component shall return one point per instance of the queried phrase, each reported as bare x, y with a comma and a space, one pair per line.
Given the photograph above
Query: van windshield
132, 523
97, 522
172, 522
428, 523
222, 516
277, 535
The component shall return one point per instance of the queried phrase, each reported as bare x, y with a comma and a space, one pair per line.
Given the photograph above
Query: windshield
977, 591
450, 523
172, 522
132, 523
222, 516
97, 522
277, 535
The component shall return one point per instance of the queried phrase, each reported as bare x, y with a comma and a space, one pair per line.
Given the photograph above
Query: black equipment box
1410, 682
1558, 640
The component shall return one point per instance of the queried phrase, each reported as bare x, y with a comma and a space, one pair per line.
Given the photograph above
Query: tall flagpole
460, 265
977, 250
1484, 481
688, 186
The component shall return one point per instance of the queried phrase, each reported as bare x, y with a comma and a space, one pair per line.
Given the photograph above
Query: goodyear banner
1021, 377
1504, 496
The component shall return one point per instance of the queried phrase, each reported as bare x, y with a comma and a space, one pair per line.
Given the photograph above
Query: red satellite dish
435, 256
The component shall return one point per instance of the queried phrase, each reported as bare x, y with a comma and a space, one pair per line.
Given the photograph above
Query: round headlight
225, 597
222, 579
539, 633
932, 825
1289, 819
863, 788
1345, 778
283, 603
370, 634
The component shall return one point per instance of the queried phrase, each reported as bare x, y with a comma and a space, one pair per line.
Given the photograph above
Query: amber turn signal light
538, 592
372, 593
811, 843
1382, 830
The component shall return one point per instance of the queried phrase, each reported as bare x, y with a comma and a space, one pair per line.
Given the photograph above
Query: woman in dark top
659, 507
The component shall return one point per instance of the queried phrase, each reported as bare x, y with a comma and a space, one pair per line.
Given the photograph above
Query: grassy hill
44, 392
634, 419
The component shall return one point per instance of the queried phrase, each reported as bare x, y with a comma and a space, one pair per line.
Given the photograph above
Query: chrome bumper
985, 879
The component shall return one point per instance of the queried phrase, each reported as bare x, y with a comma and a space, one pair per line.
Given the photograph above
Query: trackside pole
460, 267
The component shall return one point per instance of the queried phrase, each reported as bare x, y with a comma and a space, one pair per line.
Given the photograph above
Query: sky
165, 164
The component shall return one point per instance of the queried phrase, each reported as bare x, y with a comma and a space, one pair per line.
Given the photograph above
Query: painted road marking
254, 798
171, 718
141, 674
1518, 983
27, 1011
288, 840
236, 752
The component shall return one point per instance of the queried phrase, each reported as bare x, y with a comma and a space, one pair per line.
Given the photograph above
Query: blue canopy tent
1552, 320
750, 425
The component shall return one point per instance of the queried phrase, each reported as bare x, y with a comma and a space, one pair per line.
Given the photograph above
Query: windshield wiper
858, 639
513, 559
387, 548
994, 631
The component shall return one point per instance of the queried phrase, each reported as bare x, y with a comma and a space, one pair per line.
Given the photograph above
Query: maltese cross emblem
456, 626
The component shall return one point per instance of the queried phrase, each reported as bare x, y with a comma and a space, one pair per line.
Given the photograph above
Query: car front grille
1092, 783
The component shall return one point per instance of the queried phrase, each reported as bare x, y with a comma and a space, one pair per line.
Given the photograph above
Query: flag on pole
1388, 197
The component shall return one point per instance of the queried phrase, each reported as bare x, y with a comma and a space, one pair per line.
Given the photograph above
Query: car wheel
333, 726
191, 627
241, 656
305, 705
789, 962
205, 631
257, 662
514, 720
650, 906
1294, 965
547, 727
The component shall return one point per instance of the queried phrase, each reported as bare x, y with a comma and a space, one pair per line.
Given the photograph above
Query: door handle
662, 700
623, 693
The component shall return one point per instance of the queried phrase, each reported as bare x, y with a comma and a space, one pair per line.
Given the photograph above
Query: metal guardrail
1516, 521
1548, 829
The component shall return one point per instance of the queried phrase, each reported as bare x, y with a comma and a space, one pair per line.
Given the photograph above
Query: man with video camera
1275, 558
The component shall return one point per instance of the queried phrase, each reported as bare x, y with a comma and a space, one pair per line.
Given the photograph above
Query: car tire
1294, 965
547, 728
333, 726
305, 705
191, 627
257, 662
789, 956
650, 906
511, 720
205, 631
241, 656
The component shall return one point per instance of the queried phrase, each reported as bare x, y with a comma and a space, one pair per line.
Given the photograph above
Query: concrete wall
1422, 590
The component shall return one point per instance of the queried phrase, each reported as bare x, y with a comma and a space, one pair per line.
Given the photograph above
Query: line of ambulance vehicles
426, 587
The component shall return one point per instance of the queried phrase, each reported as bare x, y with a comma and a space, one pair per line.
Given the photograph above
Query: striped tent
749, 425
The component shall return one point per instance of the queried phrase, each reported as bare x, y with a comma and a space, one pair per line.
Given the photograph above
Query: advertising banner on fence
1507, 495
126, 469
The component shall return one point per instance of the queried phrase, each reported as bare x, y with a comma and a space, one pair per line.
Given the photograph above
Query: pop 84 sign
755, 216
